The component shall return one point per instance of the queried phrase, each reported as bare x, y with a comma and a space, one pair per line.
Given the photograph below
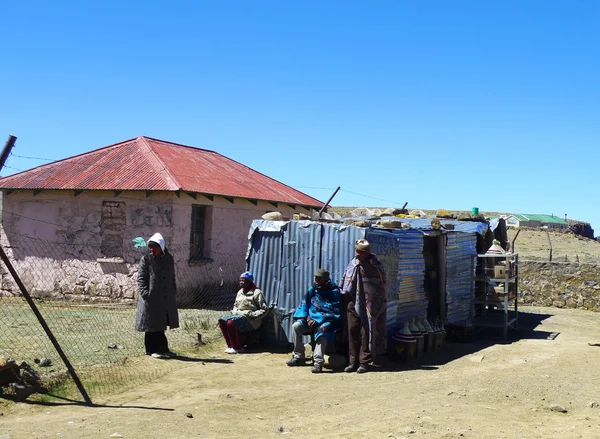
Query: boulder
273, 216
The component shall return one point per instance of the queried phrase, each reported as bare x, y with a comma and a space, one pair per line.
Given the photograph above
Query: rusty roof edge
36, 168
15, 189
159, 165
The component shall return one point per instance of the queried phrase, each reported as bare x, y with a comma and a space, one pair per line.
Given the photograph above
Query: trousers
300, 351
358, 338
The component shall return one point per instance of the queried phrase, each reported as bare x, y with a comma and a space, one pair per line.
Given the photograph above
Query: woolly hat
157, 238
363, 245
322, 273
247, 275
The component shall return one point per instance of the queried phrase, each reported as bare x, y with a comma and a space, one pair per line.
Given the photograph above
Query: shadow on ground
466, 341
62, 401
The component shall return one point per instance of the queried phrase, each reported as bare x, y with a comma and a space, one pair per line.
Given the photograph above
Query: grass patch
99, 340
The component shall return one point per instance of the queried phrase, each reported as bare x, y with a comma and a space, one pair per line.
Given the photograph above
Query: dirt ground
483, 388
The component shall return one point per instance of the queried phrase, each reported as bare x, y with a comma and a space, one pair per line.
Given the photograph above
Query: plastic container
420, 349
403, 345
429, 342
334, 361
403, 350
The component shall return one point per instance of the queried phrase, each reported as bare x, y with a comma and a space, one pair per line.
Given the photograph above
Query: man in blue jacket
318, 314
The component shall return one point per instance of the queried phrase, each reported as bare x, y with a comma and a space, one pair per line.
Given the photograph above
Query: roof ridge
226, 157
155, 159
178, 144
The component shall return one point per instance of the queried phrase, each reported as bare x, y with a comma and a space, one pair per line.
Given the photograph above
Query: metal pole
512, 244
8, 146
549, 245
328, 201
45, 326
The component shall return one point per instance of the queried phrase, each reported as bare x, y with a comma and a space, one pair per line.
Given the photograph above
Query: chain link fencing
89, 304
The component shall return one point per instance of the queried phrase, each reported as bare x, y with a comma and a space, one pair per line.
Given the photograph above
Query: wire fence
90, 308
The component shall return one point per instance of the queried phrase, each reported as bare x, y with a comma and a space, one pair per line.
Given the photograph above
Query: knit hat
322, 273
247, 275
363, 245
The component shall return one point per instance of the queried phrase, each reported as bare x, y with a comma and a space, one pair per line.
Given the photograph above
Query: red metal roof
146, 164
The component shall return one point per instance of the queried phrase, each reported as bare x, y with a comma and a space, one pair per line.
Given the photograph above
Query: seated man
318, 314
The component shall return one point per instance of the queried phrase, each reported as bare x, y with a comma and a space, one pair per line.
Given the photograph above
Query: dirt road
486, 388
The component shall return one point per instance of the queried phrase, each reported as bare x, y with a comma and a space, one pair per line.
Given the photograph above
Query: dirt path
477, 390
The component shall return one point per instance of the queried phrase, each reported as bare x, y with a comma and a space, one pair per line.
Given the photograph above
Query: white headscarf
158, 239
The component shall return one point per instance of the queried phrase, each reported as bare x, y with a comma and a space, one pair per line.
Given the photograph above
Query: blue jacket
322, 304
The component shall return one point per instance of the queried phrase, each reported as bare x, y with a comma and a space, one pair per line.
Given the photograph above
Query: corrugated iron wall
401, 252
284, 261
301, 248
460, 257
337, 247
266, 246
412, 300
265, 261
386, 245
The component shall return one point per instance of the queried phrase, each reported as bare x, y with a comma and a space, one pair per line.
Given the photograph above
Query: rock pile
582, 229
22, 380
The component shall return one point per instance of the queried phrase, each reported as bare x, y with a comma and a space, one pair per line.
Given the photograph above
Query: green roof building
536, 220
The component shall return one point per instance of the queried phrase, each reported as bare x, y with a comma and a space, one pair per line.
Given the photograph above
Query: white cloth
158, 238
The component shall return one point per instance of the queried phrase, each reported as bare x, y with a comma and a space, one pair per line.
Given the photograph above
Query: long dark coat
156, 308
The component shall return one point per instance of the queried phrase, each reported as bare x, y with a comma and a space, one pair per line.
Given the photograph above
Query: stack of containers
412, 301
419, 337
404, 344
429, 337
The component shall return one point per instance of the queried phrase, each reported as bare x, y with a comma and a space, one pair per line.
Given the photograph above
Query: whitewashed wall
54, 239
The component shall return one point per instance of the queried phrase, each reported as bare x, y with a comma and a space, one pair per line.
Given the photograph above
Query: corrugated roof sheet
149, 164
540, 217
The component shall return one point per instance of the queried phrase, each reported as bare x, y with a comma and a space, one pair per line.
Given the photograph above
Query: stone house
70, 226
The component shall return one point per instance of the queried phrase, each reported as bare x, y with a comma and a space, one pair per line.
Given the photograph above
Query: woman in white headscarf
157, 308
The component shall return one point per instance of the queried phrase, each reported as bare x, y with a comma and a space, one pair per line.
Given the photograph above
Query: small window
200, 233
112, 226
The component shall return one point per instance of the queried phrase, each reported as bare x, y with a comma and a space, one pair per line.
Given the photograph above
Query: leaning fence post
40, 318
549, 245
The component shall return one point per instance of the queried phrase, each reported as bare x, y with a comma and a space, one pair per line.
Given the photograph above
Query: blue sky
443, 104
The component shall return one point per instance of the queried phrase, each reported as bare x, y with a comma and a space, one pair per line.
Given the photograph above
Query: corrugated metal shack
283, 255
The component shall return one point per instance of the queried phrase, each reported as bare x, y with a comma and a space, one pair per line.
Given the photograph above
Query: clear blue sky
444, 104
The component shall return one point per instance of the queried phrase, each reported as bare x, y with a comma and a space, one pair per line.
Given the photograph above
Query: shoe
351, 368
363, 368
317, 368
233, 351
169, 354
296, 361
157, 355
